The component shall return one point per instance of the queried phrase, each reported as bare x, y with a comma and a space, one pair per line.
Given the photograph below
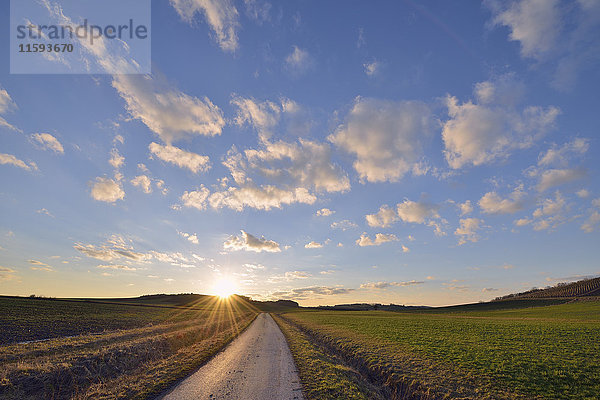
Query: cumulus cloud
9, 159
248, 242
48, 142
492, 203
313, 245
550, 212
372, 68
107, 190
277, 172
143, 182
384, 136
6, 105
183, 159
408, 211
221, 16
558, 34
383, 285
196, 198
465, 208
116, 266
380, 238
385, 217
310, 292
467, 231
583, 193
168, 112
343, 225
534, 23
560, 155
291, 275
116, 160
492, 127
298, 61
325, 212
191, 237
260, 197
591, 223
556, 177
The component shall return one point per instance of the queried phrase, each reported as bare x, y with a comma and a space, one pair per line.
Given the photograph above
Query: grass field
77, 349
540, 352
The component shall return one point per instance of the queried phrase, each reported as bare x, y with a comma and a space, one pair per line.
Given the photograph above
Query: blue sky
327, 152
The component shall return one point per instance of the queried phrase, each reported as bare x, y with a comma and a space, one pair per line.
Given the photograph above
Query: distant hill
583, 288
371, 307
197, 300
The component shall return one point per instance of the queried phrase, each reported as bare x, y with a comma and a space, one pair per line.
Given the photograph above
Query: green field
539, 352
65, 349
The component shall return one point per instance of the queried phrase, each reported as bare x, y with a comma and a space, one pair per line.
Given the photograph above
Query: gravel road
257, 365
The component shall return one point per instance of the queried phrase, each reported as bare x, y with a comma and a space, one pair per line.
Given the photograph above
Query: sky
419, 153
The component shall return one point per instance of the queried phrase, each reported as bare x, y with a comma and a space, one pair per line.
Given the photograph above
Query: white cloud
48, 142
260, 197
168, 112
325, 212
465, 208
298, 61
191, 237
183, 159
258, 10
372, 68
262, 116
313, 245
108, 190
383, 285
9, 159
380, 238
118, 267
305, 164
343, 225
221, 15
591, 223
6, 105
583, 193
116, 159
383, 218
492, 203
550, 213
417, 212
479, 133
311, 292
251, 243
385, 136
534, 23
559, 34
556, 177
143, 182
290, 275
408, 211
196, 199
467, 231
559, 155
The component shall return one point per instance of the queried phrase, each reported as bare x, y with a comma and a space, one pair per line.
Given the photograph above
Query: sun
224, 288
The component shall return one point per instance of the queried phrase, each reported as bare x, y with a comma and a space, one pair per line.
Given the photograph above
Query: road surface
257, 365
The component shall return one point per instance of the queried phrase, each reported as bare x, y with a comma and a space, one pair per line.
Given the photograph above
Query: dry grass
129, 363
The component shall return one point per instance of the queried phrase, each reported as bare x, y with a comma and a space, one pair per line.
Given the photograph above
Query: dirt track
257, 365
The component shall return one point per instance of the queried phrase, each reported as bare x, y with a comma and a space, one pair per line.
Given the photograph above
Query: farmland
81, 349
469, 352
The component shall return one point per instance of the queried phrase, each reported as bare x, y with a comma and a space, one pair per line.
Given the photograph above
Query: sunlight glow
224, 288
